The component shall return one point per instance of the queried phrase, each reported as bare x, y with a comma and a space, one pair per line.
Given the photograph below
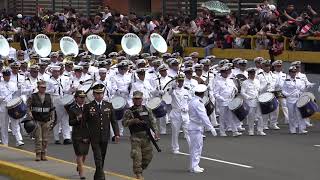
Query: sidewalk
20, 164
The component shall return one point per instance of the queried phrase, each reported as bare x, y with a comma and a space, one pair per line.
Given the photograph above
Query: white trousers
271, 117
15, 127
295, 119
195, 148
283, 104
4, 122
121, 129
178, 120
227, 119
255, 115
63, 122
163, 124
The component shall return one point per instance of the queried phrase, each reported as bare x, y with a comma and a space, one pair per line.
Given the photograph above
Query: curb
18, 172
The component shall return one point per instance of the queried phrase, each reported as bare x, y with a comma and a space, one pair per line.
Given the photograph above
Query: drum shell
18, 111
308, 110
270, 106
209, 107
161, 110
120, 112
241, 112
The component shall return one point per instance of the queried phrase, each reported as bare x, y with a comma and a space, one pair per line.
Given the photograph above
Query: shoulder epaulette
186, 88
288, 80
297, 78
260, 73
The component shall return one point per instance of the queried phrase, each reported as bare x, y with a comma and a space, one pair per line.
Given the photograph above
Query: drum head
154, 103
303, 100
118, 102
89, 97
167, 98
265, 97
85, 87
67, 99
311, 95
14, 102
235, 103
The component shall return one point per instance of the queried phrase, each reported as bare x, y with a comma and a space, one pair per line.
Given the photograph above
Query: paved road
278, 156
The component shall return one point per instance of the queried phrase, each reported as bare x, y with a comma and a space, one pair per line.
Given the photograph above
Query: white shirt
303, 77
292, 89
281, 76
180, 98
144, 87
198, 118
250, 91
237, 71
12, 53
172, 73
58, 87
7, 89
120, 84
268, 81
190, 84
224, 91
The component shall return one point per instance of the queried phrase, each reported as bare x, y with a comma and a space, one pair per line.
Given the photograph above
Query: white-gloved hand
161, 92
213, 132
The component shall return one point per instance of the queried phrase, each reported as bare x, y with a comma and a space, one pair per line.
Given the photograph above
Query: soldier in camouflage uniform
136, 119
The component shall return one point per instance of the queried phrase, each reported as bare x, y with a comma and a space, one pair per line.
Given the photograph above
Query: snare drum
157, 106
268, 103
208, 104
119, 105
89, 96
67, 99
306, 106
16, 108
239, 108
85, 87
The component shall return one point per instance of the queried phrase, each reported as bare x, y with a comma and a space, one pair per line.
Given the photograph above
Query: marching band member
179, 114
292, 89
24, 68
278, 89
76, 77
258, 63
224, 91
242, 64
250, 92
85, 71
268, 83
68, 67
189, 81
43, 65
105, 80
198, 120
159, 83
57, 86
31, 82
121, 85
195, 57
198, 69
235, 65
173, 67
307, 83
7, 88
54, 58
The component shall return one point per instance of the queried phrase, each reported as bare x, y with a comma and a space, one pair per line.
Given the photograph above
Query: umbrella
216, 6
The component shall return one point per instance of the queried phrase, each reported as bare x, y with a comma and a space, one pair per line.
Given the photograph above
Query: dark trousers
99, 153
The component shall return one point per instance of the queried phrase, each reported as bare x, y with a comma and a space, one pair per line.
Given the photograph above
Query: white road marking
220, 161
316, 145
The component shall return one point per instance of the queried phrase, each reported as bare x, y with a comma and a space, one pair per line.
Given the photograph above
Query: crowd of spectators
208, 29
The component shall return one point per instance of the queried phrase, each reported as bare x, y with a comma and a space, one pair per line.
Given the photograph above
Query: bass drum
268, 103
306, 106
16, 108
311, 95
157, 106
119, 105
208, 104
239, 108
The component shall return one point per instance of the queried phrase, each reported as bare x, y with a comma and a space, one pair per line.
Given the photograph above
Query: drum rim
266, 101
13, 106
158, 104
237, 106
124, 105
309, 100
69, 102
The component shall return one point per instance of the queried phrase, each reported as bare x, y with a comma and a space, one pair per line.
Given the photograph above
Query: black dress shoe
82, 177
67, 141
57, 142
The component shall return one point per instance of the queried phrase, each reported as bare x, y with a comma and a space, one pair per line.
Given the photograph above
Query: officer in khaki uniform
80, 133
98, 114
136, 119
41, 110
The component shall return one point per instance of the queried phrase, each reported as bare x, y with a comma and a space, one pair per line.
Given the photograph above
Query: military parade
88, 106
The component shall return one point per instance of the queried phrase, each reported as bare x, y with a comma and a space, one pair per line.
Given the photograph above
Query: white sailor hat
251, 69
141, 70
188, 58
162, 67
194, 54
122, 64
223, 61
296, 63
19, 16
224, 68
242, 61
102, 70
258, 59
77, 67
121, 58
188, 69
198, 67
55, 68
266, 62
166, 55
235, 60
144, 55
211, 57
113, 54
200, 88
175, 55
205, 61
55, 54
292, 69
15, 64
157, 62
10, 39
229, 65
173, 61
277, 63
150, 58
140, 61
189, 62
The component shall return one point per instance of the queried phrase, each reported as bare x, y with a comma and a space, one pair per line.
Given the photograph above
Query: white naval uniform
179, 114
292, 89
6, 91
211, 85
120, 87
224, 91
172, 73
108, 89
58, 88
250, 92
144, 87
268, 83
283, 102
198, 121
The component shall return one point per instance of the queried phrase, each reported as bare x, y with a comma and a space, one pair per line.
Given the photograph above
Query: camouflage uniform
141, 147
